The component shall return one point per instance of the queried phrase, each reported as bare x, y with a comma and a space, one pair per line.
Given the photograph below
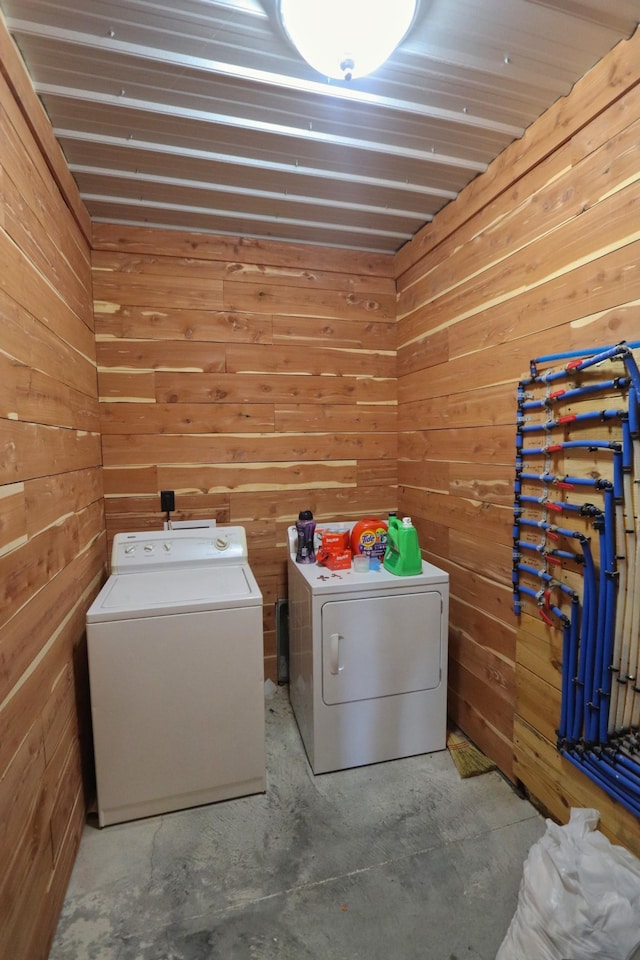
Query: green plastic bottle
402, 555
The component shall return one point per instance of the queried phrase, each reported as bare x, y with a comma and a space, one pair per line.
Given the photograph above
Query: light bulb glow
346, 39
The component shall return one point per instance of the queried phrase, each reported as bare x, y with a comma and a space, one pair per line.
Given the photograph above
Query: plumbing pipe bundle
587, 571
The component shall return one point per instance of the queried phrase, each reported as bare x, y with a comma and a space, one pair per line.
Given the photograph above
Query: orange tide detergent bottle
369, 536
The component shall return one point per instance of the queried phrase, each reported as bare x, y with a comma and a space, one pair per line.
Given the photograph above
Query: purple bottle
305, 526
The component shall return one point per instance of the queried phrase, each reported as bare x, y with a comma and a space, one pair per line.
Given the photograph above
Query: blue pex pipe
631, 766
568, 481
543, 525
622, 352
569, 667
634, 414
518, 589
564, 699
608, 785
611, 353
572, 444
572, 354
632, 370
624, 777
594, 661
521, 394
618, 470
627, 444
565, 555
547, 577
608, 353
574, 645
588, 641
618, 383
559, 554
587, 638
530, 592
557, 505
598, 685
610, 615
599, 415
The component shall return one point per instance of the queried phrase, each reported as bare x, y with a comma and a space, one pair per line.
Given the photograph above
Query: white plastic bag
579, 897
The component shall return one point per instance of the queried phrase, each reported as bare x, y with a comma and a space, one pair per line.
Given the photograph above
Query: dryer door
381, 646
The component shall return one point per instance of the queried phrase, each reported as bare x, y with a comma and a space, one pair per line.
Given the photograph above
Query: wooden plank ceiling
198, 115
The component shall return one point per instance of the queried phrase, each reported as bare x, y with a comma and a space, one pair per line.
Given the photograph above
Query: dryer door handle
334, 654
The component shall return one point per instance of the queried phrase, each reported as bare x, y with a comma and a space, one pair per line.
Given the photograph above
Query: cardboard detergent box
334, 541
340, 560
333, 549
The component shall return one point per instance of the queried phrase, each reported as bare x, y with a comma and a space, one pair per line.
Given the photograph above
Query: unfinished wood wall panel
254, 379
538, 255
52, 541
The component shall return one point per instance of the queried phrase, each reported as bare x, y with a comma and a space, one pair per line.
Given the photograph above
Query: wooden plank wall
254, 379
52, 542
538, 255
257, 379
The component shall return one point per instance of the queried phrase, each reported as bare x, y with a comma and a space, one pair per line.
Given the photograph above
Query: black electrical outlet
167, 501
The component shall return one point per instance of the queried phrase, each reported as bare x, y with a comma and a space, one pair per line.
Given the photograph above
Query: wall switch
167, 501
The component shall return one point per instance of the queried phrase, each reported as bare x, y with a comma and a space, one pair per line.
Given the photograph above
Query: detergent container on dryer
306, 528
402, 555
369, 537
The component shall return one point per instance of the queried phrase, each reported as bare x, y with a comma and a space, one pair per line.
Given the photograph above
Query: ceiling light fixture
346, 39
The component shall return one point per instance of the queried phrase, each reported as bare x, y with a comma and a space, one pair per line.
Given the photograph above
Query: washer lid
155, 594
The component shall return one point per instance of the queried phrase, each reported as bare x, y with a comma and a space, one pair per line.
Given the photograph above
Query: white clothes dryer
176, 674
367, 662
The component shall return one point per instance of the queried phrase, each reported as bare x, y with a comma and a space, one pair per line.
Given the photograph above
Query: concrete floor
396, 861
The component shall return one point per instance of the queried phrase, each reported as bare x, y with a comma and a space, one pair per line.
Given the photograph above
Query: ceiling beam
181, 183
258, 126
287, 82
296, 169
183, 208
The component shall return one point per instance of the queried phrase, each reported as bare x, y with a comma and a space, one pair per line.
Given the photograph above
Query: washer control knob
221, 543
166, 547
129, 550
148, 548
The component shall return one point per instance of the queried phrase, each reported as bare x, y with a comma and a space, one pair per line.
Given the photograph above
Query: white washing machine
367, 662
176, 674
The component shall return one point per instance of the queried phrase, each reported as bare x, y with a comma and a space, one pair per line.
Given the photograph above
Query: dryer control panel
149, 550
